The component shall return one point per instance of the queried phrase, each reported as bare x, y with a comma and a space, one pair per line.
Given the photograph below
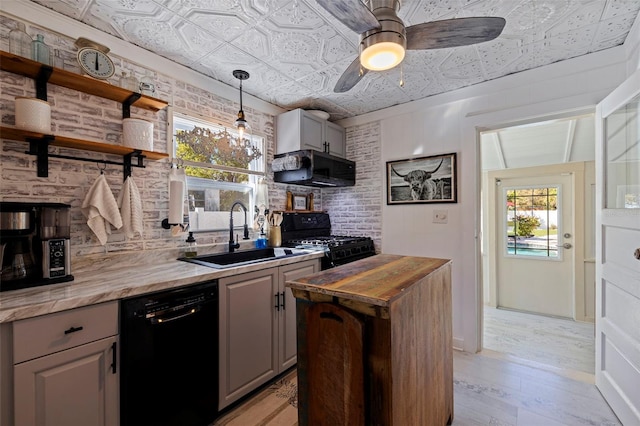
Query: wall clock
93, 59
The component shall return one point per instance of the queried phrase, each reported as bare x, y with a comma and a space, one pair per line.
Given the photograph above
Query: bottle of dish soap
191, 249
261, 242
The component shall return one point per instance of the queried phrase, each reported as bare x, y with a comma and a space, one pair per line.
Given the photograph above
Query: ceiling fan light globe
382, 56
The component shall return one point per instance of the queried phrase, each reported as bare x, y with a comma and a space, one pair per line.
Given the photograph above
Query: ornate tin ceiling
295, 51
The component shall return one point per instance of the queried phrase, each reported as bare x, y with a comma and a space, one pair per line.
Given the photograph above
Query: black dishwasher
169, 357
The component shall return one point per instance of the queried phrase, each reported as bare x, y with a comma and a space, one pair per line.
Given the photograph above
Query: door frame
577, 171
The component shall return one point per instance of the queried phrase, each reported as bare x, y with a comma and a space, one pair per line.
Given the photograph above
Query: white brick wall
83, 116
357, 211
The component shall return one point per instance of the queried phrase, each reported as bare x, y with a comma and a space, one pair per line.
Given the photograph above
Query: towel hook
102, 169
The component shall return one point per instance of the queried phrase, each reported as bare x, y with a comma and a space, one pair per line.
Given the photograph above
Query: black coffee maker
34, 244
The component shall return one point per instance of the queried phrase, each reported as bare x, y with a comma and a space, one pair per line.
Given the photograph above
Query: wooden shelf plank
27, 67
67, 142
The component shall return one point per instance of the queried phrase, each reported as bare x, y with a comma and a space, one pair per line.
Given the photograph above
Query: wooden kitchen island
375, 343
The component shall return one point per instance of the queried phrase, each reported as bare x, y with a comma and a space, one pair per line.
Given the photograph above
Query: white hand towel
100, 209
130, 208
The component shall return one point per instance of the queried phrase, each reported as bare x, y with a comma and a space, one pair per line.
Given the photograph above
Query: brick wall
83, 116
357, 211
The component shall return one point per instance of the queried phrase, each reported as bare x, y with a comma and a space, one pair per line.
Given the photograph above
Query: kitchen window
221, 168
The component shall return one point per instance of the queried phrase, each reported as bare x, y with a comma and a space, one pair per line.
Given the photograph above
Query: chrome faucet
235, 244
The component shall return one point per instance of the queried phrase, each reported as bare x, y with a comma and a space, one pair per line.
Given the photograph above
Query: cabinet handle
277, 301
331, 315
282, 302
114, 359
73, 330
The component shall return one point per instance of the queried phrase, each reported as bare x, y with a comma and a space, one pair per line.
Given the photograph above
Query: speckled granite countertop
100, 279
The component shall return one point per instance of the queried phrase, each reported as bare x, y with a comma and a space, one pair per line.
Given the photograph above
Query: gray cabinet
335, 137
257, 328
287, 333
299, 129
65, 368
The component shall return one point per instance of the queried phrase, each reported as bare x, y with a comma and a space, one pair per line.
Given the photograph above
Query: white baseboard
458, 344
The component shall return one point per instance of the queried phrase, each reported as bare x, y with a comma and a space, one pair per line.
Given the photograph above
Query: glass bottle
191, 248
58, 60
20, 41
40, 51
147, 84
129, 82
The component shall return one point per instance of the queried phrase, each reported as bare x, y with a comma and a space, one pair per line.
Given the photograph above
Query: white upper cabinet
299, 129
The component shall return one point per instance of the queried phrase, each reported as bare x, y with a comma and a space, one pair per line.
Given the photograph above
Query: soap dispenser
191, 249
261, 242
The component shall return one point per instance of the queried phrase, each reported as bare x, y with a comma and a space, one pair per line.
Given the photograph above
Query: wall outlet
440, 216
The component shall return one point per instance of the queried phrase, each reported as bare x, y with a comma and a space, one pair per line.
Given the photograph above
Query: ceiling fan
384, 37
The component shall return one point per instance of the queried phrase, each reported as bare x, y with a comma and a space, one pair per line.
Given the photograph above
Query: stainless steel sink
243, 257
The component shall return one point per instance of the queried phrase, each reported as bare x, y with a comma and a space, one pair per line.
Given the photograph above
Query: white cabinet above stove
299, 129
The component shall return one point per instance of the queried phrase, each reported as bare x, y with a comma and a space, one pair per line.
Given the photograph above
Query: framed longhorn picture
423, 180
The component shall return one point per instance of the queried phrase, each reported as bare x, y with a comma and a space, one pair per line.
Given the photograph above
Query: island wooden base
395, 368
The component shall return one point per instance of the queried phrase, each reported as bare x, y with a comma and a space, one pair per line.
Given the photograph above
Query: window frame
505, 212
197, 182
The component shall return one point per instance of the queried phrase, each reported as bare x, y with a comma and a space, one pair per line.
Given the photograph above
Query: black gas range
312, 230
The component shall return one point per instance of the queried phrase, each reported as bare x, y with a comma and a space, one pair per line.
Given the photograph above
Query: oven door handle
182, 314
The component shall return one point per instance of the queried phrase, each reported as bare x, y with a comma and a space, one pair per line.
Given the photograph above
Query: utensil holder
275, 236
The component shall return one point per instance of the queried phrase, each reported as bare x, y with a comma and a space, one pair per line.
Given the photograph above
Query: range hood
313, 168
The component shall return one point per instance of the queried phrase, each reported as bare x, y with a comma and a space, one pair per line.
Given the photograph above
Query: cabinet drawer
39, 336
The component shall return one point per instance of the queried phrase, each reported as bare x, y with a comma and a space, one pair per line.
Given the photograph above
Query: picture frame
423, 180
299, 202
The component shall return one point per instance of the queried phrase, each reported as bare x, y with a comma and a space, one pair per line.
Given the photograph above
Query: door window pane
532, 221
622, 157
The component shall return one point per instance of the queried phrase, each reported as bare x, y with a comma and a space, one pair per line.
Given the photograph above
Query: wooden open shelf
24, 66
66, 142
39, 142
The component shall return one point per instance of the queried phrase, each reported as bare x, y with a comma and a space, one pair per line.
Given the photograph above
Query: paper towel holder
166, 225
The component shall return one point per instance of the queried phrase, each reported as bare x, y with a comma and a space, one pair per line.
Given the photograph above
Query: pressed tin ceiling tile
296, 51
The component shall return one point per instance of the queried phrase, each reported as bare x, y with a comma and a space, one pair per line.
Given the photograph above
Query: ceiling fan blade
350, 77
353, 13
453, 32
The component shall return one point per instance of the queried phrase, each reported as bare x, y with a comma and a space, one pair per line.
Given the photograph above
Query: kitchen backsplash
80, 115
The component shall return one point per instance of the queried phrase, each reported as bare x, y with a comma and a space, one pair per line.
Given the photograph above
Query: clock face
96, 63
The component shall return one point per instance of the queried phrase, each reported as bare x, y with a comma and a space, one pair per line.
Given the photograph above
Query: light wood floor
487, 391
552, 342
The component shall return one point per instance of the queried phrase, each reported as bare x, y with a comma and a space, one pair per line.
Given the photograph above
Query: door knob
636, 253
567, 245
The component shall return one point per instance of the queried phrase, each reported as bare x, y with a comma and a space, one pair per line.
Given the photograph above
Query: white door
618, 250
535, 239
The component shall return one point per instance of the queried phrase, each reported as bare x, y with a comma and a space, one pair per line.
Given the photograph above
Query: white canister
33, 114
137, 134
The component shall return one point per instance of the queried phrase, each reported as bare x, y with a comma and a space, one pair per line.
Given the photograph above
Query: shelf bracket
40, 148
41, 81
126, 105
127, 163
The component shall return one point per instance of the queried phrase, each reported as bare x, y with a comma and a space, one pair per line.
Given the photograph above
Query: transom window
532, 221
221, 168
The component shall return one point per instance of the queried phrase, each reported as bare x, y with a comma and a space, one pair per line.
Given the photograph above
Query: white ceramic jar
33, 114
137, 134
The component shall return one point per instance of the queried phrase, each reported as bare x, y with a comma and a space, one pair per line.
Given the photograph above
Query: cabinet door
288, 344
247, 328
335, 136
73, 387
312, 132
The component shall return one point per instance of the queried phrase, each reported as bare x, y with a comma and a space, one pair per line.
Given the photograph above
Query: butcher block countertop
368, 286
